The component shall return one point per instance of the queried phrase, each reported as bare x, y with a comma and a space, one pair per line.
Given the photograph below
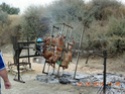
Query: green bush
115, 35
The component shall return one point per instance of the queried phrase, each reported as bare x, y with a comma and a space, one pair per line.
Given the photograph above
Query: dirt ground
33, 86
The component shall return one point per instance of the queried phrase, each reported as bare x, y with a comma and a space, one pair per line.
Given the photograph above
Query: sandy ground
33, 86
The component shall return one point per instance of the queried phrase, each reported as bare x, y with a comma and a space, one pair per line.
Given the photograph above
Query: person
4, 74
38, 46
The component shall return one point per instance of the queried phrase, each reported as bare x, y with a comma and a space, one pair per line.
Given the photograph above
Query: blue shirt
2, 63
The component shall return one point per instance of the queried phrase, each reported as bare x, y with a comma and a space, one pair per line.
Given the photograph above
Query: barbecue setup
57, 50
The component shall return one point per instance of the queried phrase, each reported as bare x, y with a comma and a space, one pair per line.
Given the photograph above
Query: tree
8, 9
104, 8
4, 23
66, 10
3, 17
35, 23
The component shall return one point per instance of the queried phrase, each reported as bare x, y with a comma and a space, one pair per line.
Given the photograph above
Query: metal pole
29, 58
28, 53
104, 74
80, 44
0, 85
18, 64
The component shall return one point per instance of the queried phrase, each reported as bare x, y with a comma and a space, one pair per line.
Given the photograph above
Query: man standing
3, 73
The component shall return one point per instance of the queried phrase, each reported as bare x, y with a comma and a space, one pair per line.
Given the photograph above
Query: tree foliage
104, 8
66, 10
95, 15
9, 9
34, 23
104, 20
4, 23
3, 17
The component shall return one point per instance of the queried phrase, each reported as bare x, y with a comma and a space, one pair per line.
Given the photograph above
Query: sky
23, 4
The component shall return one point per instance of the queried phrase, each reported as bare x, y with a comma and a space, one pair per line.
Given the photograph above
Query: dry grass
95, 65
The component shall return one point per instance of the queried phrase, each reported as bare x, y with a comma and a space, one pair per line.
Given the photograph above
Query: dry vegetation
105, 29
104, 22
